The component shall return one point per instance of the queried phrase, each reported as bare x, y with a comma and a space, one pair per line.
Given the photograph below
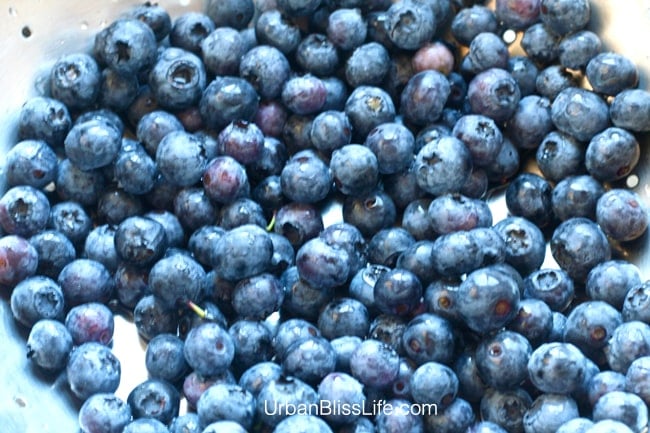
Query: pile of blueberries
185, 171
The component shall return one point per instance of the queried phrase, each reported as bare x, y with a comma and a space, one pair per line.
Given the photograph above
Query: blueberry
265, 288
505, 165
576, 196
74, 80
177, 79
90, 322
24, 211
151, 317
181, 158
255, 377
300, 423
290, 331
355, 169
275, 29
154, 399
591, 324
43, 118
485, 427
578, 245
501, 360
540, 44
280, 396
164, 358
140, 240
32, 163
621, 406
346, 28
635, 303
92, 368
636, 378
559, 156
457, 253
126, 45
577, 49
417, 259
115, 205
36, 298
471, 385
306, 178
243, 252
440, 299
487, 50
554, 79
427, 338
415, 219
525, 246
393, 145
494, 93
548, 412
145, 425
629, 341
471, 21
621, 214
628, 108
433, 382
529, 196
611, 281
389, 329
186, 423
85, 280
266, 68
400, 417
423, 97
225, 180
368, 107
226, 99
603, 383
374, 363
581, 114
556, 368
100, 246
301, 298
367, 65
344, 317
227, 402
49, 344
612, 154
135, 170
410, 24
209, 349
506, 408
397, 291
553, 286
344, 389
104, 413
231, 13
253, 343
482, 137
297, 223
518, 14
443, 166
177, 279
564, 16
189, 30
316, 54
386, 245
608, 425
304, 95
576, 425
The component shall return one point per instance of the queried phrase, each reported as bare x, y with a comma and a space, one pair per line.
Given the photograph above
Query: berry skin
92, 368
104, 413
209, 349
622, 215
49, 344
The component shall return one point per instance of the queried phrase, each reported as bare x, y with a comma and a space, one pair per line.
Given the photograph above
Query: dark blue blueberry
279, 397
553, 79
525, 246
471, 21
457, 417
578, 245
612, 154
309, 359
494, 93
155, 16
255, 377
433, 382
152, 318
534, 320
181, 158
189, 30
415, 219
611, 281
241, 140
227, 99
393, 144
581, 114
177, 79
559, 156
368, 107
140, 241
482, 137
410, 24
142, 103
164, 358
227, 402
74, 80
344, 390
304, 94
557, 368
529, 196
104, 413
530, 123
154, 399
297, 223
296, 132
374, 363
271, 117
427, 338
115, 205
603, 383
306, 178
127, 45
367, 65
344, 317
576, 196
36, 298
225, 180
202, 241
266, 68
590, 325
241, 211
195, 385
397, 291
43, 118
505, 165
355, 169
100, 246
506, 408
344, 347
275, 29
553, 286
456, 253
321, 264
470, 384
70, 219
389, 329
635, 305
90, 322
130, 284
386, 245
177, 279
231, 13
424, 96
337, 93
565, 16
346, 28
490, 299
48, 345
154, 126
316, 54
501, 360
85, 280
443, 166
548, 412
524, 71
627, 110
194, 209
145, 425
135, 171
298, 8
24, 211
629, 341
117, 90
402, 416
625, 407
267, 291
301, 298
209, 349
540, 44
370, 212
253, 343
440, 299
518, 14
186, 423
273, 157
330, 130
636, 378
455, 212
417, 258
290, 331
222, 50
577, 49
92, 368
242, 252
487, 50
621, 214
32, 163
557, 330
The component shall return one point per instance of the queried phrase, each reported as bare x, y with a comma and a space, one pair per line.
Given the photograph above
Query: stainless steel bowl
34, 33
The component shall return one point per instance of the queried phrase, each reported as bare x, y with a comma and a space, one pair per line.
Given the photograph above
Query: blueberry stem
271, 224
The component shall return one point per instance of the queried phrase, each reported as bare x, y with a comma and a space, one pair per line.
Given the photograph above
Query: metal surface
31, 402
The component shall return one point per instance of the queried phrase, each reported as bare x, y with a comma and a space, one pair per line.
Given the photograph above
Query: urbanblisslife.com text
341, 408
